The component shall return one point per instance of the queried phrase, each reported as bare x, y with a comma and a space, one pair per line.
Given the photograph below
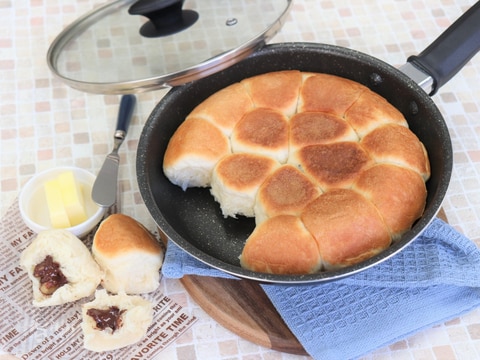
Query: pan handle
451, 50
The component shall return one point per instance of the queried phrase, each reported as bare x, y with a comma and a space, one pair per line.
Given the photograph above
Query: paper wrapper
54, 332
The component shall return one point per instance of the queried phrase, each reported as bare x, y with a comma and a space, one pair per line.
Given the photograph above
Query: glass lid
128, 46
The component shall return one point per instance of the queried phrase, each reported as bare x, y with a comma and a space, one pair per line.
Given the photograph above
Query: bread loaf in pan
350, 173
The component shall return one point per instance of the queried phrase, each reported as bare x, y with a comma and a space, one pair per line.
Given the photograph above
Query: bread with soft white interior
193, 151
111, 322
66, 268
236, 179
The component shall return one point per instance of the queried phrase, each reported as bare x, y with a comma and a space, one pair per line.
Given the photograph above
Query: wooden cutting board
242, 307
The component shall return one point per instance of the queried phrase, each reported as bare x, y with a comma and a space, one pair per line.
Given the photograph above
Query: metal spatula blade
104, 191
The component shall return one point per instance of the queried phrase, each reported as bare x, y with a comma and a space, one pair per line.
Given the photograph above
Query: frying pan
193, 220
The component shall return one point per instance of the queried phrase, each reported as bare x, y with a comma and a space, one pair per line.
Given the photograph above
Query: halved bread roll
60, 267
111, 322
291, 248
236, 179
346, 226
129, 255
193, 152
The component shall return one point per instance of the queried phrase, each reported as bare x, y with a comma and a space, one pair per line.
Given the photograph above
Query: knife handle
127, 104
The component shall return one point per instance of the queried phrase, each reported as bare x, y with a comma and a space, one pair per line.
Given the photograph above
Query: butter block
72, 197
58, 214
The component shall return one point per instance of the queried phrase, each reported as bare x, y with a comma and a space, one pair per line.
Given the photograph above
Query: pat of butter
58, 214
65, 201
72, 197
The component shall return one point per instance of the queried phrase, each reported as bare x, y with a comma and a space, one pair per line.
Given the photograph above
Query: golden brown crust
398, 193
334, 165
236, 179
243, 171
235, 102
196, 137
119, 234
263, 131
291, 248
396, 144
371, 110
328, 93
346, 226
286, 191
276, 90
310, 128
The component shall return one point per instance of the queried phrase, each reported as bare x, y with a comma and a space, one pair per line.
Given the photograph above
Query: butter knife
104, 191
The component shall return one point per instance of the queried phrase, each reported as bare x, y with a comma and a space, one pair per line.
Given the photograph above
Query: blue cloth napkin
434, 279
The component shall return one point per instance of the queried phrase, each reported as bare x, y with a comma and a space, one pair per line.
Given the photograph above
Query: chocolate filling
50, 275
110, 318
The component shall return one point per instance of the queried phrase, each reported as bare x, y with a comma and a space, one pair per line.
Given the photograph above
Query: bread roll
291, 248
334, 165
129, 255
346, 226
398, 193
262, 131
192, 153
396, 144
369, 111
60, 267
276, 90
235, 102
286, 191
311, 128
328, 93
236, 180
110, 322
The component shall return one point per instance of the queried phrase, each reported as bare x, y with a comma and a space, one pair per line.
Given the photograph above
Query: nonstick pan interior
193, 220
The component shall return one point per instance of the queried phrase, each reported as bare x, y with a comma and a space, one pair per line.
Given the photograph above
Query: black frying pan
193, 220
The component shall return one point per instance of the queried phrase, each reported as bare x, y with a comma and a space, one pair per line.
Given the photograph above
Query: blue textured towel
434, 279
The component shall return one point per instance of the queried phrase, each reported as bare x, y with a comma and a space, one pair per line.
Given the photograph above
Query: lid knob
166, 17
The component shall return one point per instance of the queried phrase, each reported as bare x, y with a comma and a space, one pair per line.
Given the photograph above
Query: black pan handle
452, 50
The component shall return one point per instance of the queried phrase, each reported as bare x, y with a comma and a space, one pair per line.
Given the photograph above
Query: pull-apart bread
60, 267
129, 255
346, 175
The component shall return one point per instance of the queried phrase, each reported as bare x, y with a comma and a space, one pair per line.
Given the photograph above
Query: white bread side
136, 317
129, 255
193, 151
236, 179
76, 263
